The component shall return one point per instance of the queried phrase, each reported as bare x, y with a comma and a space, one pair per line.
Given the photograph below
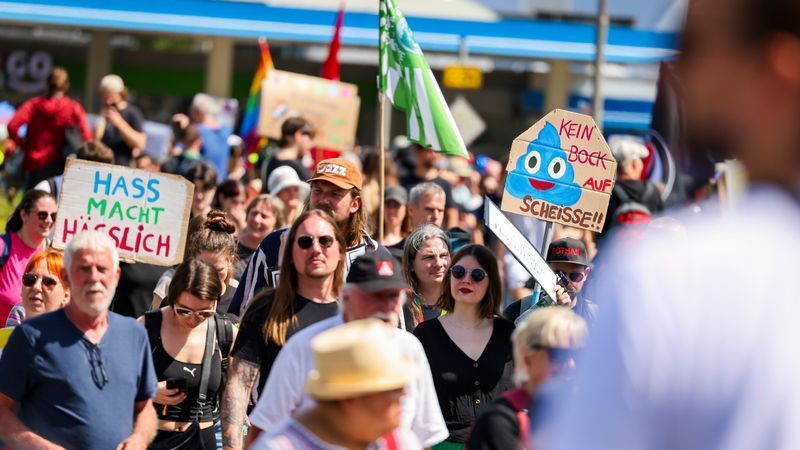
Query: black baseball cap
373, 273
568, 250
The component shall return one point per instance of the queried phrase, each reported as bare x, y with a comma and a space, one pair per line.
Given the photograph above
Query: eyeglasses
557, 355
305, 242
42, 215
99, 375
29, 279
575, 277
459, 272
201, 314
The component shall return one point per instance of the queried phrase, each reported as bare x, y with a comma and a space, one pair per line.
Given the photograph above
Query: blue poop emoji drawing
543, 172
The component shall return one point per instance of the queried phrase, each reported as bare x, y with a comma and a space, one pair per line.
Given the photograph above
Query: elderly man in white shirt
375, 288
697, 347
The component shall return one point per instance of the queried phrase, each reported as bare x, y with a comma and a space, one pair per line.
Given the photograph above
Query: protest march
391, 264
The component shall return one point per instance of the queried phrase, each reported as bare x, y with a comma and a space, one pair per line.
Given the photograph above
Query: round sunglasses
29, 279
305, 242
459, 272
575, 277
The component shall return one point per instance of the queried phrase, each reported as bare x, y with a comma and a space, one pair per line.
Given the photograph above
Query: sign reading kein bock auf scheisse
146, 214
561, 170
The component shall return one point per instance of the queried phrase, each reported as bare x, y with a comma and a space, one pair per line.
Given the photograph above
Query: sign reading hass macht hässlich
146, 214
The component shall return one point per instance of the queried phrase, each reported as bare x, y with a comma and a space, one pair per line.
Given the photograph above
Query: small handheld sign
146, 214
521, 248
561, 170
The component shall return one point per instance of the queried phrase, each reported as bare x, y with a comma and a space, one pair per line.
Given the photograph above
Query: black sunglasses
305, 242
557, 355
99, 375
42, 215
459, 271
29, 279
575, 277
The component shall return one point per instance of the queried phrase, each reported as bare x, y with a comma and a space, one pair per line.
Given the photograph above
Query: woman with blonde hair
544, 346
43, 288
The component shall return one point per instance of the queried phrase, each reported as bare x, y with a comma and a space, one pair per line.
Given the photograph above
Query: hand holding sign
561, 170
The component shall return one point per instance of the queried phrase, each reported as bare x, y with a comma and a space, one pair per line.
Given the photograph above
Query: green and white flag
407, 80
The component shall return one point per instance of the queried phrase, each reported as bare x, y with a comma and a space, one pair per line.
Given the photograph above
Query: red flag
330, 69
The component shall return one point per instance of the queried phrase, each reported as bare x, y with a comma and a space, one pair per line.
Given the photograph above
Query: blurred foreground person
374, 289
696, 346
543, 348
358, 382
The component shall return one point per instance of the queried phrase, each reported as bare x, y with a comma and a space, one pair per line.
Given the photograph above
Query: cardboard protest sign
146, 214
521, 248
561, 170
330, 105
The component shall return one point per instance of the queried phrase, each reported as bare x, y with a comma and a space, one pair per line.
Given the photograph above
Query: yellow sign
462, 77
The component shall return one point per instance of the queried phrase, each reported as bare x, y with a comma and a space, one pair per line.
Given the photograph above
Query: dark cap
396, 193
373, 273
568, 250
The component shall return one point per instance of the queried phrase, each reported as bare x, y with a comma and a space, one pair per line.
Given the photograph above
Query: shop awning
523, 38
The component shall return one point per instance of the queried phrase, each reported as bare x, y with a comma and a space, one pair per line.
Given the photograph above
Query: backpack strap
6, 237
520, 402
224, 337
152, 323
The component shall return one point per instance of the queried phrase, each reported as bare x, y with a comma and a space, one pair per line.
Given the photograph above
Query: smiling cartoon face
543, 171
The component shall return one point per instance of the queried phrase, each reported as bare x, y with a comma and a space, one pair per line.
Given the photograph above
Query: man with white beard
81, 376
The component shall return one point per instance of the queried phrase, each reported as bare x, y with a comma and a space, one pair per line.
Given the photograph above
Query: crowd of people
296, 322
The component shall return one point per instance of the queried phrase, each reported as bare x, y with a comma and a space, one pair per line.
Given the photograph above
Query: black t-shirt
134, 294
243, 255
250, 344
274, 163
411, 180
465, 386
123, 154
497, 428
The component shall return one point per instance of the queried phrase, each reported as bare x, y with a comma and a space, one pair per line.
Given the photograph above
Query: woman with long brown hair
181, 334
469, 348
311, 276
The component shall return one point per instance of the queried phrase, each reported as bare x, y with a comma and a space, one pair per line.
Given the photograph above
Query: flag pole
381, 179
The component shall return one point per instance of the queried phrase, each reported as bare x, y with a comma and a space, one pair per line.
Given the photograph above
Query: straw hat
355, 359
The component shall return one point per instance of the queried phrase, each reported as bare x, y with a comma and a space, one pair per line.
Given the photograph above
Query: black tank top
167, 367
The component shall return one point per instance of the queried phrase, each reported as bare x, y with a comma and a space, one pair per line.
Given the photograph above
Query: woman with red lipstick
469, 348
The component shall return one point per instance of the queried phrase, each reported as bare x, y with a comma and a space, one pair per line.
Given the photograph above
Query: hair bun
217, 220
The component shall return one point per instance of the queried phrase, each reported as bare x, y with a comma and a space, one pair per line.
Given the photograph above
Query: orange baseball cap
338, 171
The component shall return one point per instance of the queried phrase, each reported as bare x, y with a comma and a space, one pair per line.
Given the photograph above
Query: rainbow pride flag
248, 129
